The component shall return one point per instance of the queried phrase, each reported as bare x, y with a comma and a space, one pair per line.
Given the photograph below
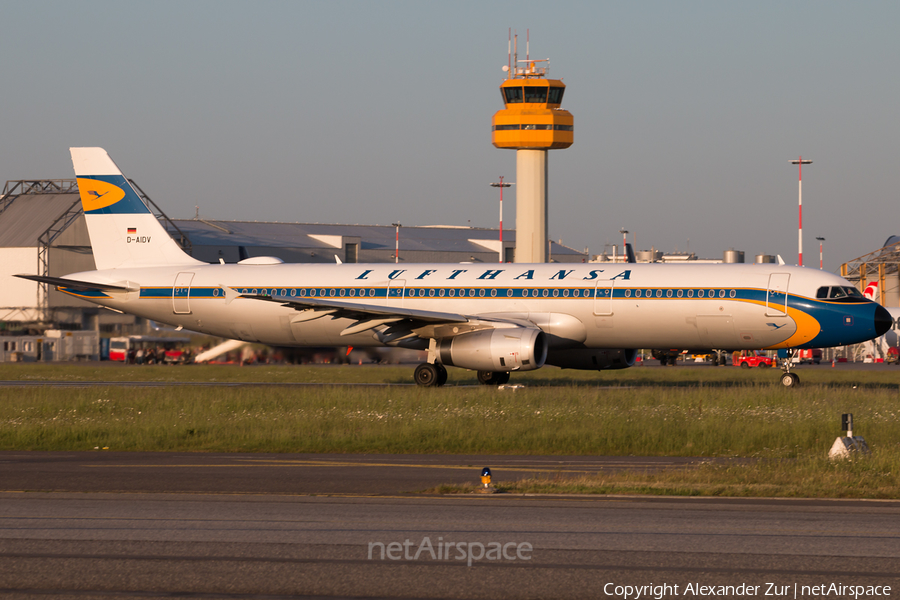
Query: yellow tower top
532, 118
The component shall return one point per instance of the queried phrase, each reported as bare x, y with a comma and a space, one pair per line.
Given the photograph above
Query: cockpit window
840, 293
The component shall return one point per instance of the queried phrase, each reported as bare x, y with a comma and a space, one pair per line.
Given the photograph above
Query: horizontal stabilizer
74, 284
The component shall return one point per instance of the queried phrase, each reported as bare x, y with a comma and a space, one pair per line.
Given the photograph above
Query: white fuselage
579, 306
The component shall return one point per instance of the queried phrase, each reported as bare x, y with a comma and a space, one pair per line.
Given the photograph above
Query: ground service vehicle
810, 355
747, 360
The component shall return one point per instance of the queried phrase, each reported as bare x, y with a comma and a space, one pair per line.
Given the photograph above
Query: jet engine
598, 360
505, 349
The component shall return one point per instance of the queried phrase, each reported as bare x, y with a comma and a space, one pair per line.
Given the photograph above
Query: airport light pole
800, 162
821, 239
397, 243
501, 185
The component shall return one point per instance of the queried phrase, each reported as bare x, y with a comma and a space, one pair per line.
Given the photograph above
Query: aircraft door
181, 294
603, 298
396, 292
776, 295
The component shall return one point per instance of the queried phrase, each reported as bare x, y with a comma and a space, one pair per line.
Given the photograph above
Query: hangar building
878, 273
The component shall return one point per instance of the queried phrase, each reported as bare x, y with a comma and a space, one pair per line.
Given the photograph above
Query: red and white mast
501, 185
800, 162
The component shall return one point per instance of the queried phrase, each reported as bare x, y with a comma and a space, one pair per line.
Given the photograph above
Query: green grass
701, 412
810, 476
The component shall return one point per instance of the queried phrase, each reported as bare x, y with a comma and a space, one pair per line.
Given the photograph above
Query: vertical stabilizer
124, 233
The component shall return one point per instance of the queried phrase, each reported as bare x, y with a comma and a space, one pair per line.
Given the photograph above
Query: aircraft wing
367, 316
401, 323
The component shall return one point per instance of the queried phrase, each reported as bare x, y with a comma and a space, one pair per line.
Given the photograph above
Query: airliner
494, 319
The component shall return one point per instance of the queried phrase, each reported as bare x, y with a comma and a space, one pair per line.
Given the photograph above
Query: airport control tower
531, 123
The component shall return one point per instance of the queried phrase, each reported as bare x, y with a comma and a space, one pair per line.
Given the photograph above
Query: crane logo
97, 194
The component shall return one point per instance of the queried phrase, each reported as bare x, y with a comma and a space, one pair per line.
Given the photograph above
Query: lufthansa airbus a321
493, 319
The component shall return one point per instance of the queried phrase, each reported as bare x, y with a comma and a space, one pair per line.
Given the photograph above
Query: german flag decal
132, 230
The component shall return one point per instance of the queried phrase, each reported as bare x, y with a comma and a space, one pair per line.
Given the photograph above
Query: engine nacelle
508, 349
593, 360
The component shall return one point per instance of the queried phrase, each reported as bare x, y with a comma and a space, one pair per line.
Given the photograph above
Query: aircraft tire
427, 375
790, 380
488, 377
503, 378
442, 374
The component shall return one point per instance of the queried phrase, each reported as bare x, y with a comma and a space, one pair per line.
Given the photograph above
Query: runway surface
119, 525
165, 545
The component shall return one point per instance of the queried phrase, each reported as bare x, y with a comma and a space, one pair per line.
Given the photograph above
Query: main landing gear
431, 375
493, 377
435, 375
788, 379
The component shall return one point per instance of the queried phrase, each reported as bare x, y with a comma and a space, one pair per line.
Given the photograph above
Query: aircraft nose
883, 320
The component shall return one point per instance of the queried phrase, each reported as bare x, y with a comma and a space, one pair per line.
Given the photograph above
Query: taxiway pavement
132, 525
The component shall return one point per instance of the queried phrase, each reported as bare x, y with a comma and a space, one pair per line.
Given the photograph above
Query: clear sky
686, 113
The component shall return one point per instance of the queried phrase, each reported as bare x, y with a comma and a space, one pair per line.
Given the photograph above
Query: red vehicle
120, 348
752, 359
810, 355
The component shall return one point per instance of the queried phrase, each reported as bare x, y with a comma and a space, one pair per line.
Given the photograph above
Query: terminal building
42, 231
614, 255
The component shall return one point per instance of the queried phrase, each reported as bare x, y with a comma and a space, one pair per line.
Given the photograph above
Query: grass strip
809, 476
697, 412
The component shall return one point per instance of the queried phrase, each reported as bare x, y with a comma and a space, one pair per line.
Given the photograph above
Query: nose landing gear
788, 379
